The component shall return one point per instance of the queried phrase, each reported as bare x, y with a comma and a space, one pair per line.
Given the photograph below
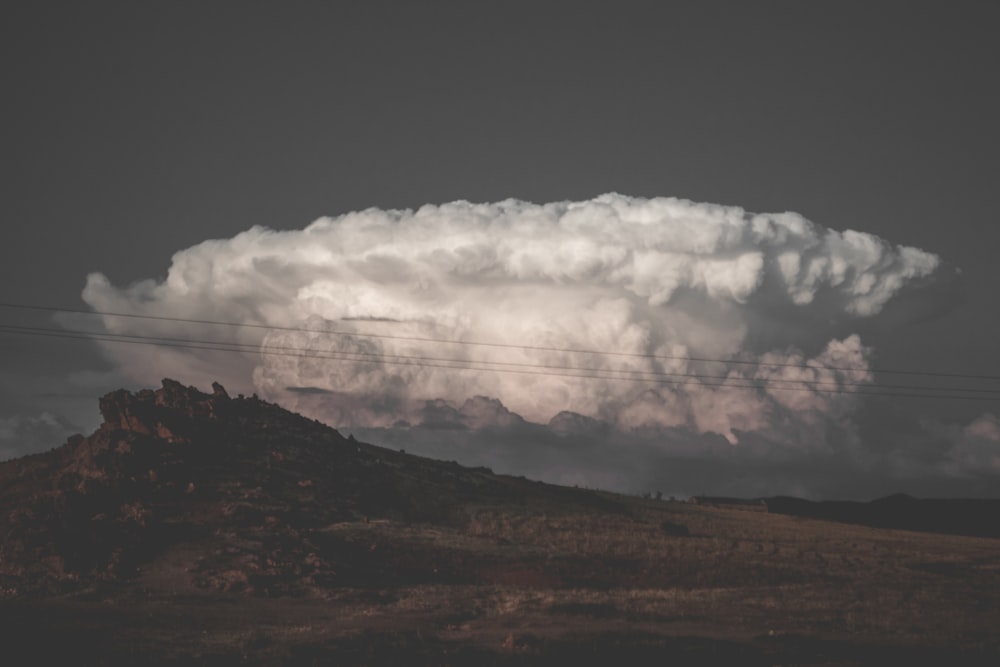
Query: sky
691, 234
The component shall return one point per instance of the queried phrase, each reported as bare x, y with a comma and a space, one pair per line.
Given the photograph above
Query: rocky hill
243, 485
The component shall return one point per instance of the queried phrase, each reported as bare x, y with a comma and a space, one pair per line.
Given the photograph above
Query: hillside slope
196, 528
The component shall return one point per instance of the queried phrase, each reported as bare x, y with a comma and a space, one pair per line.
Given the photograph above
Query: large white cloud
671, 286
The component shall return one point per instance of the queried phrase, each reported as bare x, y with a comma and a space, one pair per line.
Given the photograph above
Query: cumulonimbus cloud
690, 298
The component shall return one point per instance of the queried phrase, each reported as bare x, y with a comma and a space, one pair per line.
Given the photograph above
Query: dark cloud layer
28, 434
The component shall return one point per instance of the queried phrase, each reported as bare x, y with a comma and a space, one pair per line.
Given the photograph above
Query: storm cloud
29, 434
647, 316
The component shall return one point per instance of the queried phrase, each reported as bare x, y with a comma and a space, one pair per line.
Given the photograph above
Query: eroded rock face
169, 412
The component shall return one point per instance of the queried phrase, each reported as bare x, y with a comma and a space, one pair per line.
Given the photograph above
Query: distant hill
972, 517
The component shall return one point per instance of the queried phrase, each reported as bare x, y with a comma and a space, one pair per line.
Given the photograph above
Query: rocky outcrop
169, 413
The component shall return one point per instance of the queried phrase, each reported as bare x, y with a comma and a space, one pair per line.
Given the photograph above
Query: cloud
661, 315
935, 459
30, 434
660, 276
986, 427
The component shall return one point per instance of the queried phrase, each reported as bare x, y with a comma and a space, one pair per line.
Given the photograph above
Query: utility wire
225, 346
485, 364
638, 355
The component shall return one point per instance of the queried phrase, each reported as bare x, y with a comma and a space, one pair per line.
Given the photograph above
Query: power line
225, 346
484, 364
637, 355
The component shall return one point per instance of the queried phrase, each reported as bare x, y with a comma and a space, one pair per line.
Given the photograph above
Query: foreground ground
642, 581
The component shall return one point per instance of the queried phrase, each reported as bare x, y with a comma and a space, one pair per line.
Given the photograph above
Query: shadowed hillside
954, 516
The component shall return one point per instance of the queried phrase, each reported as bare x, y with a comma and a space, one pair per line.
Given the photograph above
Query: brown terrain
196, 528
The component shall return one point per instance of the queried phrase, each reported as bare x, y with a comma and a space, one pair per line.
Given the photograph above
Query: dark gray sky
134, 130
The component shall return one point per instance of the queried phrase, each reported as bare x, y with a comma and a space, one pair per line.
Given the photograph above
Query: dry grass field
527, 584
